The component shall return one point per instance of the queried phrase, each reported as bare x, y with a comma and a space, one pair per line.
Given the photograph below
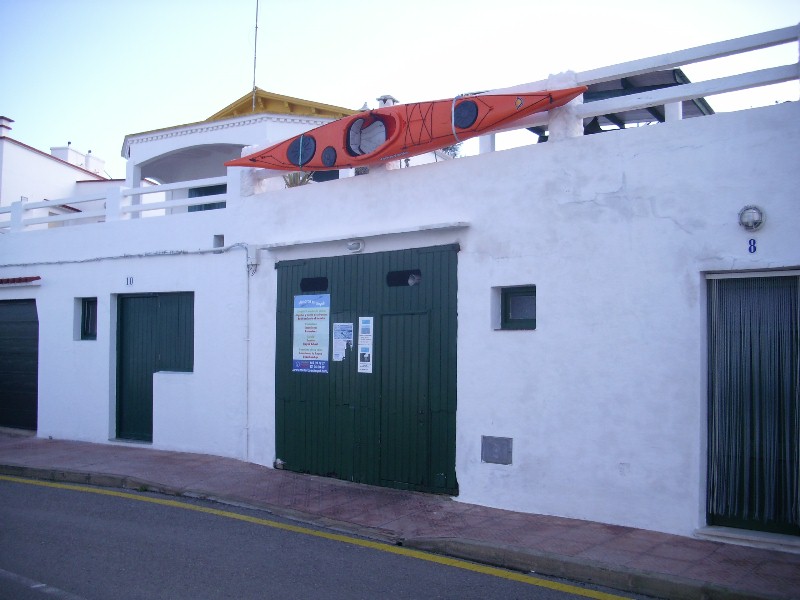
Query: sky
91, 72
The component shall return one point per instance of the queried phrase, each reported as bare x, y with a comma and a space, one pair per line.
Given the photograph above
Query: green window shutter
211, 190
518, 306
89, 318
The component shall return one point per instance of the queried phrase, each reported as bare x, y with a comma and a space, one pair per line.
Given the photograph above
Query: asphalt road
77, 543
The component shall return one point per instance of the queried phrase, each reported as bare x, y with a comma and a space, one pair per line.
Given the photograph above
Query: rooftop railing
127, 203
674, 95
114, 204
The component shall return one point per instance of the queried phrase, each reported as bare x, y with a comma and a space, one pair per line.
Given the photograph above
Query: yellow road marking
380, 546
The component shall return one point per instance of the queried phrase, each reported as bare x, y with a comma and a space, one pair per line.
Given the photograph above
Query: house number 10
129, 281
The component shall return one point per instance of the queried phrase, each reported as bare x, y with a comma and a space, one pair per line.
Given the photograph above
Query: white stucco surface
37, 176
604, 401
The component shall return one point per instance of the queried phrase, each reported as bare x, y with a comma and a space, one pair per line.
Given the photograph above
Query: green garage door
19, 364
381, 409
155, 332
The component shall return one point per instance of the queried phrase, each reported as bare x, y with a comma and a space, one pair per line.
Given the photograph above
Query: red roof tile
13, 280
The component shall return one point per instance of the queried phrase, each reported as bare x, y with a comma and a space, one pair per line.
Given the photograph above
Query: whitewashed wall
203, 411
605, 400
35, 176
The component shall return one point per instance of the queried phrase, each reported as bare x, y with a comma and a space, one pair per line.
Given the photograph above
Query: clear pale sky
93, 71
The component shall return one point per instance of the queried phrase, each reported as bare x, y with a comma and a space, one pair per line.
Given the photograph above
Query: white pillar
133, 174
564, 122
113, 204
673, 111
486, 143
133, 179
234, 185
16, 216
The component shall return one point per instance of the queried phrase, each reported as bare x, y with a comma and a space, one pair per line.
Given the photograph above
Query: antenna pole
255, 53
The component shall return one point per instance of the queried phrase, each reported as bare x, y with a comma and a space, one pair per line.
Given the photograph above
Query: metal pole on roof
255, 53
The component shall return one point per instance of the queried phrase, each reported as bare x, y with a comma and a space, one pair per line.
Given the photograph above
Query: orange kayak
402, 130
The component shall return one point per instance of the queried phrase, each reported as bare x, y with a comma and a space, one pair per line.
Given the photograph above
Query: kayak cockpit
365, 135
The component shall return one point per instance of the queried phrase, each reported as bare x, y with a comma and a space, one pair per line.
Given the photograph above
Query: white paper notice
365, 334
342, 340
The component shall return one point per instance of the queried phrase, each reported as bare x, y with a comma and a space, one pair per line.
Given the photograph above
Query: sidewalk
623, 558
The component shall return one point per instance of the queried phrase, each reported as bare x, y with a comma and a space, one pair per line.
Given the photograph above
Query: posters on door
311, 333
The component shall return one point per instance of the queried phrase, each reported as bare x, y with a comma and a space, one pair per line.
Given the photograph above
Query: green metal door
155, 332
19, 364
391, 422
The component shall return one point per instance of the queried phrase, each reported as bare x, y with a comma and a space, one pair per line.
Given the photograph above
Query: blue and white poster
311, 333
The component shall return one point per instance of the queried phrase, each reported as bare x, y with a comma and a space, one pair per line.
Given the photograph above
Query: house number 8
752, 248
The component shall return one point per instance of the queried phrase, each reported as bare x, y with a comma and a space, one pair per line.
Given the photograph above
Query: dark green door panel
155, 332
175, 332
136, 360
19, 364
405, 410
396, 425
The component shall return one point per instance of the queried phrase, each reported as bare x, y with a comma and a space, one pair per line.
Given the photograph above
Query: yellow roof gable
267, 102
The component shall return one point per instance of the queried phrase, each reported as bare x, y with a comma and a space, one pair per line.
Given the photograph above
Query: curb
88, 478
584, 570
141, 485
503, 556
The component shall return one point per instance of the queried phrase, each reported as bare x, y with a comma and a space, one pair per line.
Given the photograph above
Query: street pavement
624, 558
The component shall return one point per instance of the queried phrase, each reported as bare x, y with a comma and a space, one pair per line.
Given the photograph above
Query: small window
88, 318
518, 307
320, 176
211, 190
314, 284
404, 278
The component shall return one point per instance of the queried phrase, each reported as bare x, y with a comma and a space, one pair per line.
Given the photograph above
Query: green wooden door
391, 425
155, 332
19, 364
405, 406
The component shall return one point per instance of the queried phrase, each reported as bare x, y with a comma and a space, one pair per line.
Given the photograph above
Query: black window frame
506, 296
406, 278
88, 319
314, 285
209, 190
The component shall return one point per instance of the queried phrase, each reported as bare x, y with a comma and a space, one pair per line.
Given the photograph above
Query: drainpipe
247, 367
253, 261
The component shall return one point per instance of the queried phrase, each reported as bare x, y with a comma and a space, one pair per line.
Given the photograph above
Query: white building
556, 328
31, 176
